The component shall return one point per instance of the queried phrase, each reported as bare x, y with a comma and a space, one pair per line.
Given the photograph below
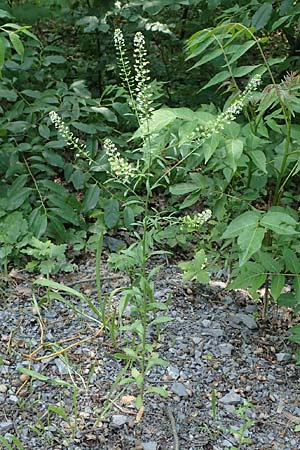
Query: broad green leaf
84, 127
251, 276
54, 59
277, 284
160, 319
262, 16
250, 241
234, 150
17, 43
44, 131
160, 119
53, 158
292, 264
77, 178
17, 194
259, 159
128, 217
289, 300
105, 112
91, 198
194, 269
8, 94
38, 222
245, 221
183, 188
111, 213
279, 222
269, 263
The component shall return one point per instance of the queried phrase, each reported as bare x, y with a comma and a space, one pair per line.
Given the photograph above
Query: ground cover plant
214, 179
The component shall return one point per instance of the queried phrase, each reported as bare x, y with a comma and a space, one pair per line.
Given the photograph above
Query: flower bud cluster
64, 131
230, 114
119, 166
193, 223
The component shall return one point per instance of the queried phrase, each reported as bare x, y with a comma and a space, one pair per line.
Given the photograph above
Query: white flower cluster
230, 114
123, 61
193, 223
144, 95
119, 166
67, 135
139, 88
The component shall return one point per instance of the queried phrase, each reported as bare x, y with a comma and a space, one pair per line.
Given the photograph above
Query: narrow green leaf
2, 53
5, 443
160, 319
17, 43
217, 79
262, 16
158, 390
183, 188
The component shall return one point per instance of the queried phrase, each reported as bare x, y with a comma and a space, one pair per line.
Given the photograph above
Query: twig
170, 416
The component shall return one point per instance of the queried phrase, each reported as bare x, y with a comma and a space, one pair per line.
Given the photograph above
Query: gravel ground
218, 354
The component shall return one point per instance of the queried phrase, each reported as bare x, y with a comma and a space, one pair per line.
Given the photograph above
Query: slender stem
145, 293
283, 164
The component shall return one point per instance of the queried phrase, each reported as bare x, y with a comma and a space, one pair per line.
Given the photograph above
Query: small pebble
179, 389
119, 419
3, 388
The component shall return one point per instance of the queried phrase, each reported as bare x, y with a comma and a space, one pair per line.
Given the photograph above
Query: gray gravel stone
226, 349
173, 372
152, 445
5, 426
179, 389
214, 332
231, 398
283, 357
62, 368
246, 320
119, 419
